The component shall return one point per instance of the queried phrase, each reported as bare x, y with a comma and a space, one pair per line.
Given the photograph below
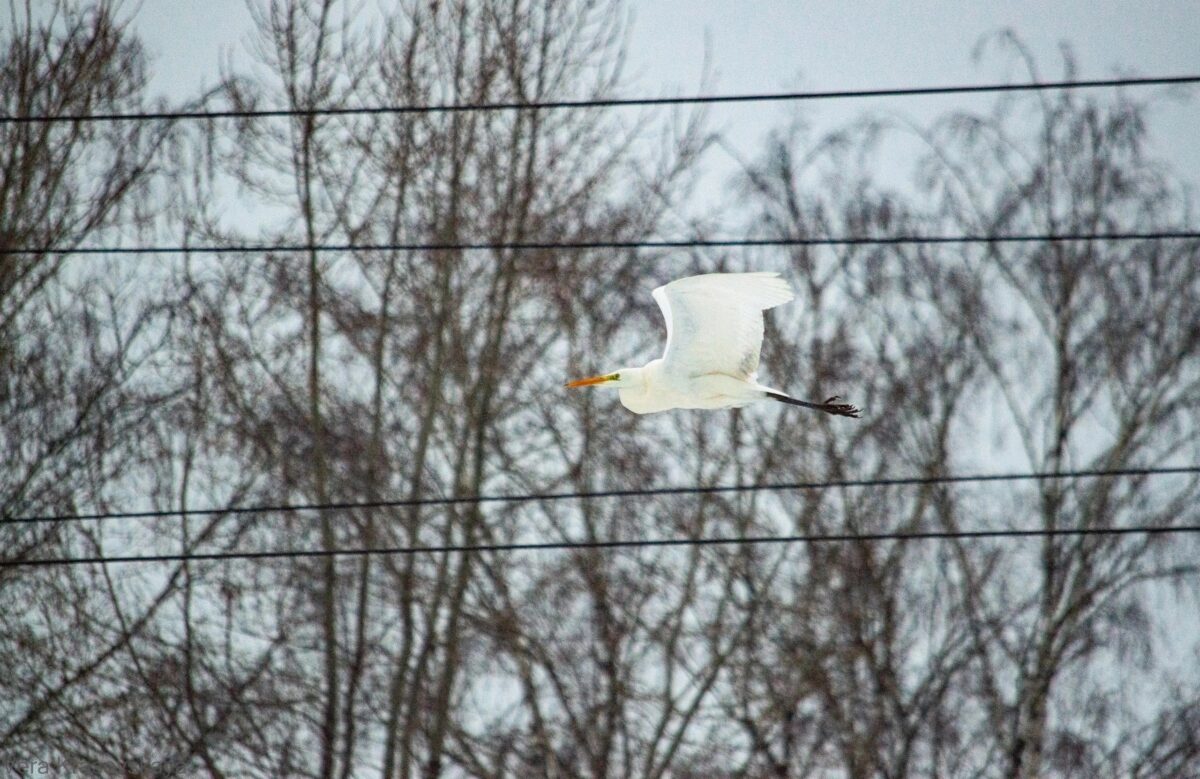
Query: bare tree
75, 336
1104, 372
976, 659
419, 368
367, 375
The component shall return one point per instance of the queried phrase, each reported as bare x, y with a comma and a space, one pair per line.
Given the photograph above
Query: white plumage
714, 336
715, 321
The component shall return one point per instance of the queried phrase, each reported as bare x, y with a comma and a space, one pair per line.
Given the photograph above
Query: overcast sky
831, 44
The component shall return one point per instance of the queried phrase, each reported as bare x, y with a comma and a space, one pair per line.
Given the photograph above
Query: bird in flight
714, 335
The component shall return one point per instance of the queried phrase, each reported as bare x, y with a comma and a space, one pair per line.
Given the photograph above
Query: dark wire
900, 481
1157, 235
811, 538
758, 97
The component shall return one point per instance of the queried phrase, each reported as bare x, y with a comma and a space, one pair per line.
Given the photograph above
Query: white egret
714, 335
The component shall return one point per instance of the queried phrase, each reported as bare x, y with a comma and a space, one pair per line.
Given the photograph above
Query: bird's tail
830, 406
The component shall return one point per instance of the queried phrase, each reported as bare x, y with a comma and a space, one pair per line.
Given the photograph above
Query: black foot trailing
839, 409
829, 406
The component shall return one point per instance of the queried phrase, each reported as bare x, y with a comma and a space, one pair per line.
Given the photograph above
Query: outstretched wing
715, 322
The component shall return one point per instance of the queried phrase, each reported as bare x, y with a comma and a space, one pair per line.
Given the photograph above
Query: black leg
830, 406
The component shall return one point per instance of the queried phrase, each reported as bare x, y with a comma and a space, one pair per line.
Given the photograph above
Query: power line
1155, 235
901, 481
811, 538
757, 97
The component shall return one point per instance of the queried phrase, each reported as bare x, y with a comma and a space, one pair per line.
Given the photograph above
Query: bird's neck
649, 372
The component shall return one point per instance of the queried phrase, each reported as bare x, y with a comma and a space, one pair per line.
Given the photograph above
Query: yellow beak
589, 381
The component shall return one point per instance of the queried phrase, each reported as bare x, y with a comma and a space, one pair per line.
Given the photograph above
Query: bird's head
622, 377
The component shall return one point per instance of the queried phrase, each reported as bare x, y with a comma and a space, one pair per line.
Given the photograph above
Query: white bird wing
715, 321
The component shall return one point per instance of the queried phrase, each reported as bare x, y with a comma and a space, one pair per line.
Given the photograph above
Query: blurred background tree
194, 381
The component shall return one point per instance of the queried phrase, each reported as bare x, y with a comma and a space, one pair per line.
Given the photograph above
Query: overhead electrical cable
542, 497
811, 538
510, 105
883, 240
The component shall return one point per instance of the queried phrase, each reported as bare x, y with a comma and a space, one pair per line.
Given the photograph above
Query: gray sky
827, 44
831, 44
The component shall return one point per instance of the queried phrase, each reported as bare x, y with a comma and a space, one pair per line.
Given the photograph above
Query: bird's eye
616, 377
